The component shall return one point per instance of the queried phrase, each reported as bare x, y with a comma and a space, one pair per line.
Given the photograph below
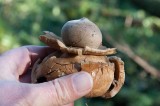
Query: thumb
61, 91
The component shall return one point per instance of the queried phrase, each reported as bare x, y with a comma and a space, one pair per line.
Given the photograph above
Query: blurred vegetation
133, 22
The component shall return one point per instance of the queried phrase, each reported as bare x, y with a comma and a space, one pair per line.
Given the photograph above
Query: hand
15, 87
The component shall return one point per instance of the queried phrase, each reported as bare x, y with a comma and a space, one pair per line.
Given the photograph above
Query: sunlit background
132, 26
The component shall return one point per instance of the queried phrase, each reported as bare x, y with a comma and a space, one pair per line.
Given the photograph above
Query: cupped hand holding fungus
15, 78
73, 66
80, 48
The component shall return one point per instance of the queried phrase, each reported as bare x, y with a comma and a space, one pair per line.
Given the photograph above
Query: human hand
16, 89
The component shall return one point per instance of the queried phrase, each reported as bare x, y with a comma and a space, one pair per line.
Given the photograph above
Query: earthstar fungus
80, 48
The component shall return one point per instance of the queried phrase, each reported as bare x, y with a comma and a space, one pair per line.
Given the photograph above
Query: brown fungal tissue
80, 48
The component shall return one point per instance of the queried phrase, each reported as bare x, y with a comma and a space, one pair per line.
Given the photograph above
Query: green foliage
22, 21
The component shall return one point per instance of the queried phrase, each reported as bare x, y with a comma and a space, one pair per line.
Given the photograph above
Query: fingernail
82, 82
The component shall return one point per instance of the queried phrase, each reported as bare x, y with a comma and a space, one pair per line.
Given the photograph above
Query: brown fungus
80, 49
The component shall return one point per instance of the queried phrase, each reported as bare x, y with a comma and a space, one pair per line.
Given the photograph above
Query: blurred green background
132, 26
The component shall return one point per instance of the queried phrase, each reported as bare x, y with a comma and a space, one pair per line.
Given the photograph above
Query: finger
70, 104
16, 61
26, 78
61, 91
36, 52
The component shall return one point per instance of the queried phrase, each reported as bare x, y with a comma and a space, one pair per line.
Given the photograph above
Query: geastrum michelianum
80, 48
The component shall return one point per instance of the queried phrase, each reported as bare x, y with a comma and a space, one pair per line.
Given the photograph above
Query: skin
16, 89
